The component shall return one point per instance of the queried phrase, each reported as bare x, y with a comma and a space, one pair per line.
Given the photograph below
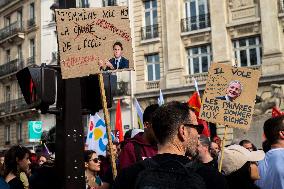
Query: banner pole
107, 123
222, 149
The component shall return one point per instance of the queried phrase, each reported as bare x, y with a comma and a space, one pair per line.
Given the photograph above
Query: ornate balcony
11, 67
31, 61
31, 23
13, 106
200, 78
13, 32
153, 85
149, 32
195, 23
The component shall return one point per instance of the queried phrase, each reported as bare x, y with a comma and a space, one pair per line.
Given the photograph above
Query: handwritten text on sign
229, 95
86, 36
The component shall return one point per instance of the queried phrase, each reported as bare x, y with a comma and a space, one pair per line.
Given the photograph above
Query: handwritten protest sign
229, 95
90, 39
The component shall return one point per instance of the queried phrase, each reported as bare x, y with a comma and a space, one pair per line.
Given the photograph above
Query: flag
118, 122
276, 112
195, 102
97, 135
139, 114
161, 99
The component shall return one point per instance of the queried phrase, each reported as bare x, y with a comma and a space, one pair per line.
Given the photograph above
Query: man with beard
175, 128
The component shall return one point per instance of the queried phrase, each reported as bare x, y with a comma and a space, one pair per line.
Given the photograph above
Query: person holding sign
233, 91
118, 61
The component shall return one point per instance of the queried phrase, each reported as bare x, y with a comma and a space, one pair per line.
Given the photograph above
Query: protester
175, 128
214, 150
240, 167
42, 159
266, 146
248, 145
143, 144
92, 168
3, 184
16, 161
204, 155
271, 169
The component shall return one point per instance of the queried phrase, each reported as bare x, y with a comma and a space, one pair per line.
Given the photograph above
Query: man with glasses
175, 128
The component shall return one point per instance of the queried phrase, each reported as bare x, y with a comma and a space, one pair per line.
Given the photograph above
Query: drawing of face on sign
229, 95
233, 91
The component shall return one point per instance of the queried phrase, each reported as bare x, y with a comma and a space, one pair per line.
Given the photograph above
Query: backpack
156, 176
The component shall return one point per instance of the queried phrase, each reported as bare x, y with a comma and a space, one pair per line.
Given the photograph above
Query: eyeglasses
189, 125
95, 160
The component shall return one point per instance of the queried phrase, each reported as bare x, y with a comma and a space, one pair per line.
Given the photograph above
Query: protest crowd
171, 152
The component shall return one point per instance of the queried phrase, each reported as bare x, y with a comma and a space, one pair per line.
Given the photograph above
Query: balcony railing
31, 23
123, 89
195, 23
281, 6
10, 30
200, 78
153, 84
31, 61
11, 67
149, 32
13, 106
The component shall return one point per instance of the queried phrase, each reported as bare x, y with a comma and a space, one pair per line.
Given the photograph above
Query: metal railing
195, 23
150, 32
11, 67
123, 89
281, 6
31, 22
13, 106
31, 61
12, 29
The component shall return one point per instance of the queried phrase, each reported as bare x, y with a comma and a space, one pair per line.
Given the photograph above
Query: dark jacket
128, 157
124, 63
126, 179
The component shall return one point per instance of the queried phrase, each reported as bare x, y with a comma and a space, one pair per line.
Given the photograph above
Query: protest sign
90, 38
229, 95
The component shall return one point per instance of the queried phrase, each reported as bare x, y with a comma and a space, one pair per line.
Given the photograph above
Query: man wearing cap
271, 169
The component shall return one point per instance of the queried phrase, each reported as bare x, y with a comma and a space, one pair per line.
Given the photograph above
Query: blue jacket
124, 63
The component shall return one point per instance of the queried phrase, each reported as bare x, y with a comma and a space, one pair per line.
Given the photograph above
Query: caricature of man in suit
118, 61
233, 91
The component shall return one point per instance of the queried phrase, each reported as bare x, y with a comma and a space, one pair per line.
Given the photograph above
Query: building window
32, 11
7, 21
153, 67
20, 132
151, 20
20, 18
248, 51
7, 134
32, 47
197, 16
8, 55
7, 93
20, 52
199, 59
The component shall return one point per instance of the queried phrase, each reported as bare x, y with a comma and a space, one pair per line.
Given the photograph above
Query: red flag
276, 112
118, 122
195, 102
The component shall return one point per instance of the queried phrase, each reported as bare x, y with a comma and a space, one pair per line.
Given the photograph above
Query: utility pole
69, 129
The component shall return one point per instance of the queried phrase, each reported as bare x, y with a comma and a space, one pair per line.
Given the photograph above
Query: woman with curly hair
16, 161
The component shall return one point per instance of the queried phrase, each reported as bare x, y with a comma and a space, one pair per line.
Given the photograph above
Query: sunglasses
95, 160
199, 129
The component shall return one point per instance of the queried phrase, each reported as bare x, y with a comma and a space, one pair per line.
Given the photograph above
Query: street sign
35, 130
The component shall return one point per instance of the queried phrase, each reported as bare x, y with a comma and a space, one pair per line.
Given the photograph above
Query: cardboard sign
92, 40
229, 95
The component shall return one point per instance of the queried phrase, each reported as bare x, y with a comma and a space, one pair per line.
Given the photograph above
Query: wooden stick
222, 149
107, 123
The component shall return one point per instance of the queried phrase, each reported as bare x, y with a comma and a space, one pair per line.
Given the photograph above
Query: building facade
178, 40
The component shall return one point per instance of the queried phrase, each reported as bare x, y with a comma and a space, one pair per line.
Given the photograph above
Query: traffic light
38, 86
91, 95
